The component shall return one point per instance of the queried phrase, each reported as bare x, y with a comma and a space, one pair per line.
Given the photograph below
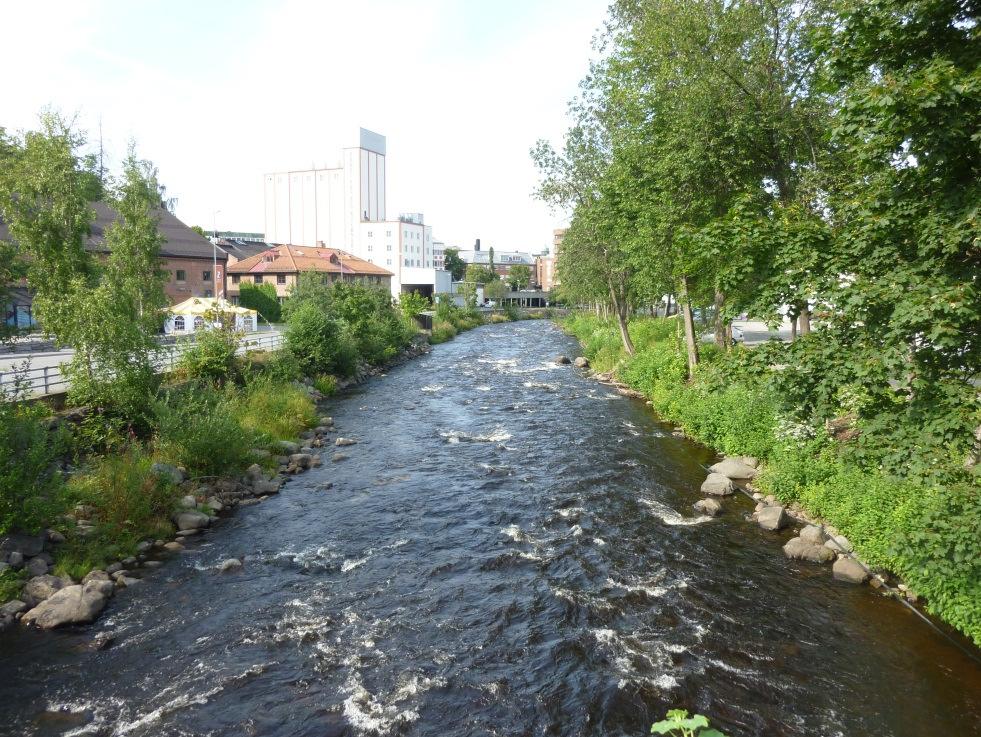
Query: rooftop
292, 259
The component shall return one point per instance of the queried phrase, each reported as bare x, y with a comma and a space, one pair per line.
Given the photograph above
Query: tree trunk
805, 320
621, 307
667, 307
793, 328
720, 326
690, 340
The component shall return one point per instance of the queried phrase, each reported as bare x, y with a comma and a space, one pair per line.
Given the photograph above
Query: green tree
519, 277
495, 290
454, 264
263, 299
412, 304
480, 274
200, 231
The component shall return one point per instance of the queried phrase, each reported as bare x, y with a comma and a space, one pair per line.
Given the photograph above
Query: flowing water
509, 549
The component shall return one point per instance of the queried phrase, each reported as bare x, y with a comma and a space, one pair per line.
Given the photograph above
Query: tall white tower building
345, 207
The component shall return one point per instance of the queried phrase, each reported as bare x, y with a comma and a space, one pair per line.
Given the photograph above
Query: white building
345, 207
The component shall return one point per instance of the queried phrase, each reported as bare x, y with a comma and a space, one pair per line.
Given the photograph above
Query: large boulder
798, 549
711, 507
773, 517
191, 520
849, 570
36, 566
734, 468
301, 460
43, 587
76, 604
718, 485
286, 446
581, 362
266, 487
812, 534
168, 471
839, 544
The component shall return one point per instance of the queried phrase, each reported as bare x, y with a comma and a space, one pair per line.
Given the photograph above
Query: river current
510, 549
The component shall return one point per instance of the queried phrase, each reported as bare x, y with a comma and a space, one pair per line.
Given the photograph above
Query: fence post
46, 379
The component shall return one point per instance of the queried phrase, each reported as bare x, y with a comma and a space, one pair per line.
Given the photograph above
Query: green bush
211, 357
131, 502
29, 456
271, 410
261, 298
325, 384
443, 330
11, 582
197, 428
320, 343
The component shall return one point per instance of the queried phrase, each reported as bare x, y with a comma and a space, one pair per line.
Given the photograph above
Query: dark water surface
510, 549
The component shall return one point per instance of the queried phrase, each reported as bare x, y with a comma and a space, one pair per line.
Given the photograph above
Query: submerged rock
340, 442
718, 485
562, 360
230, 565
711, 507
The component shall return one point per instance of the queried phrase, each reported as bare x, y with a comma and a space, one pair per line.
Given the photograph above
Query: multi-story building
344, 208
545, 264
282, 265
192, 265
503, 260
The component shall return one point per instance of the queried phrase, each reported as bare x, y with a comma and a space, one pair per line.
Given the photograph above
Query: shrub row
928, 533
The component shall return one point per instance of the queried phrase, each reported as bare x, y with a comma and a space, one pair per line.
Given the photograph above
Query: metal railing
42, 381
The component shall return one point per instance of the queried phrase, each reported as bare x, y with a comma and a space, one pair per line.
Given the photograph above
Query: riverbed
509, 549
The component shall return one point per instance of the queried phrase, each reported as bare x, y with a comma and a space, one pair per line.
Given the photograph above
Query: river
509, 549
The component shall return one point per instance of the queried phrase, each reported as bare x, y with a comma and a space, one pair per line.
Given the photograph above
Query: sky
217, 93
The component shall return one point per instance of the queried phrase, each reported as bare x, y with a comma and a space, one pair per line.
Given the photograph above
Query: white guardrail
45, 380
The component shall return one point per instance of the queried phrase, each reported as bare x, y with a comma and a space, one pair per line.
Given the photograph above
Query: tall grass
273, 410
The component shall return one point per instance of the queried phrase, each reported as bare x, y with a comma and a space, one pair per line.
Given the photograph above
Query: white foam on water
666, 682
599, 541
569, 511
671, 517
483, 388
499, 435
379, 714
100, 712
576, 530
432, 388
514, 532
351, 563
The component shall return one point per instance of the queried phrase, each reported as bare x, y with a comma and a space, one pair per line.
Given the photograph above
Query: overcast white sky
217, 93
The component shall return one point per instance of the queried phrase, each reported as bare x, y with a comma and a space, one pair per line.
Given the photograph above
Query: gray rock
267, 487
168, 471
797, 549
144, 546
28, 545
173, 547
125, 582
286, 446
96, 575
344, 441
113, 568
230, 565
152, 564
261, 453
214, 504
42, 587
711, 507
323, 429
839, 543
130, 561
326, 420
339, 457
36, 567
16, 559
188, 501
812, 534
749, 461
12, 607
187, 533
849, 570
733, 469
772, 518
191, 520
71, 605
55, 537
301, 460
581, 362
255, 473
562, 360
4, 567
718, 485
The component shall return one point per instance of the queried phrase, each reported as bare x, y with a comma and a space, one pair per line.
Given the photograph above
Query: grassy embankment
927, 535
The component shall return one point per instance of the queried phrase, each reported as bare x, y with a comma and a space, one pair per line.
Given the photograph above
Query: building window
236, 278
206, 275
257, 278
371, 234
181, 275
388, 262
388, 233
370, 247
247, 324
179, 324
198, 322
280, 278
388, 247
207, 293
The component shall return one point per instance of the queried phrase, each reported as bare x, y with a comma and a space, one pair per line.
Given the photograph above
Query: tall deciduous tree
454, 264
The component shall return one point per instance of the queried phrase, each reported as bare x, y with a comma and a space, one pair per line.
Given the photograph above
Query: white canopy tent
203, 313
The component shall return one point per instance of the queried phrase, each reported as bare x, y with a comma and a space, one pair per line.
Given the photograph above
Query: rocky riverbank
815, 542
49, 601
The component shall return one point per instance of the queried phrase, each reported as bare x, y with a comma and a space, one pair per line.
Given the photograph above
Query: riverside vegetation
108, 480
809, 161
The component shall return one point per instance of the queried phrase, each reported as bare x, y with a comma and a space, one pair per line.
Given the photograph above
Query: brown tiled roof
181, 241
293, 259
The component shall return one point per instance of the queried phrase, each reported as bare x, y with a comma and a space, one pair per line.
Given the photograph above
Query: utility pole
214, 248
